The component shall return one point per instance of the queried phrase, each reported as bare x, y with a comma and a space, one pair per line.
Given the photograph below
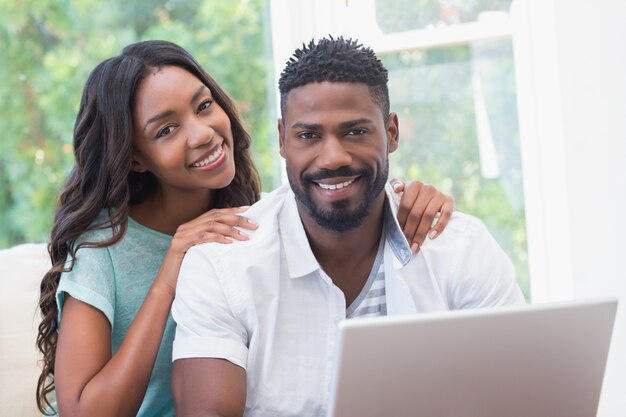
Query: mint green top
115, 280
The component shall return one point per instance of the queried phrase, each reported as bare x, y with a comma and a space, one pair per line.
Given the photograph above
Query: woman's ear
138, 165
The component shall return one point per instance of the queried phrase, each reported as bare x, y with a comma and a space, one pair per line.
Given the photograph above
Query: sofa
21, 270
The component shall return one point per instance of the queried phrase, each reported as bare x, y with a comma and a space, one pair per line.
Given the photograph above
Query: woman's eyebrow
167, 113
198, 93
157, 118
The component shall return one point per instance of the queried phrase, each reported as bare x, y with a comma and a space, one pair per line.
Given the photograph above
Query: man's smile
335, 185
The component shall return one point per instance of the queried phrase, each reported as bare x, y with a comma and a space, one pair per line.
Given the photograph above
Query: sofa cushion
21, 270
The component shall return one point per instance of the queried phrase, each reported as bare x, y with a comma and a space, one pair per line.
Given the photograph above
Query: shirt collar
395, 238
299, 256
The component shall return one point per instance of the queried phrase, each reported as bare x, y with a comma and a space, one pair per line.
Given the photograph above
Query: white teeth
336, 186
209, 159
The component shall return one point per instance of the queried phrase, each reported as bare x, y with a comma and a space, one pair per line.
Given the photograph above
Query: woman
162, 163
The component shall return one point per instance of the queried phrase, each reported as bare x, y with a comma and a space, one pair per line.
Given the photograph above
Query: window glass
402, 15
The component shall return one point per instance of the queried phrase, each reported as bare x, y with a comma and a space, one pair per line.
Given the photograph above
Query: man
257, 320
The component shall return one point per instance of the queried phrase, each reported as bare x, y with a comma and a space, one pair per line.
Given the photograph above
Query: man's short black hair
335, 60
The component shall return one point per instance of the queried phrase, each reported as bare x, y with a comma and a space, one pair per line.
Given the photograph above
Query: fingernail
395, 183
433, 234
244, 207
415, 247
252, 222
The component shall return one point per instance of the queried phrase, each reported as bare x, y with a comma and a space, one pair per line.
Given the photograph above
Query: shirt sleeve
206, 326
484, 274
91, 280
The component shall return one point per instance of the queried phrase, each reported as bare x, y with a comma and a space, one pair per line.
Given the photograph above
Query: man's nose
333, 154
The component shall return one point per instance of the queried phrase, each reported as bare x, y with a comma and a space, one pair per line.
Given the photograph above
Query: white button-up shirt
266, 305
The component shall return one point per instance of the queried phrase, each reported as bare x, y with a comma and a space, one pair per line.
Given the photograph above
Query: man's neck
347, 257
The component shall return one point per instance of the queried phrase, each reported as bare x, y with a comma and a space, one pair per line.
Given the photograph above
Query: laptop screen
534, 360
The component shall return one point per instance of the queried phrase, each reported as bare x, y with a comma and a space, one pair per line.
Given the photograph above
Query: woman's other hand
216, 225
419, 205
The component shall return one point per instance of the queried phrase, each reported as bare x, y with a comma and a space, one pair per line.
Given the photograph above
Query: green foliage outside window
50, 46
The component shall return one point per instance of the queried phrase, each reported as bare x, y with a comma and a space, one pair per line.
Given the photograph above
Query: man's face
336, 144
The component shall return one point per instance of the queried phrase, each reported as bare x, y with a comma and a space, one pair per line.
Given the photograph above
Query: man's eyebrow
343, 125
307, 126
352, 123
157, 118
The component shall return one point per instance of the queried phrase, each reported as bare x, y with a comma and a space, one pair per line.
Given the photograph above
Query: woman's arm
90, 381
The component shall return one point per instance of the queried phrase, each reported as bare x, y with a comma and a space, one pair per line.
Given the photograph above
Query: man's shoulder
264, 213
462, 230
269, 205
463, 223
459, 226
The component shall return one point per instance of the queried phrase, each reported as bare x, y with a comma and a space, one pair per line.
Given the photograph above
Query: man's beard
340, 218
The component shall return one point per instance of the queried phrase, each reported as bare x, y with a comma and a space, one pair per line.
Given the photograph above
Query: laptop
541, 360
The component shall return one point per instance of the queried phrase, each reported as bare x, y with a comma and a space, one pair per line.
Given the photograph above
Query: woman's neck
165, 212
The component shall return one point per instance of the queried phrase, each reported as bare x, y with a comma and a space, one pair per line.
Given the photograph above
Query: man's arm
208, 388
210, 348
482, 275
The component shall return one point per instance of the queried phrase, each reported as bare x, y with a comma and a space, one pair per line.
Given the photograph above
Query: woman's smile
211, 160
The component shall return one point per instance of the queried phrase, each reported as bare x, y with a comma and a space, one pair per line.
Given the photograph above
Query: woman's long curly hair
102, 179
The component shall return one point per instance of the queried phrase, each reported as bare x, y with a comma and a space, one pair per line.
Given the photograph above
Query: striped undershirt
372, 300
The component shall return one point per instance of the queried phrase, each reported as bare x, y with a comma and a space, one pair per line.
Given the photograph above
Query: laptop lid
541, 360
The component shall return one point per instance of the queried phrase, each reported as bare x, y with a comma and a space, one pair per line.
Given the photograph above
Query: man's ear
393, 132
281, 137
137, 164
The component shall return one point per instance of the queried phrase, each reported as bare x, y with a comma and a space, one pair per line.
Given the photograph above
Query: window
458, 116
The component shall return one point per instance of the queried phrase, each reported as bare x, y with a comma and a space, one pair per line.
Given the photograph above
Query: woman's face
182, 135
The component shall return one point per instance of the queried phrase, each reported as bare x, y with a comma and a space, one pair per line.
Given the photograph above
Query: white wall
571, 64
592, 54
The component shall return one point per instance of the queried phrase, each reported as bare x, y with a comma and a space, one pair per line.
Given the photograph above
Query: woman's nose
200, 133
